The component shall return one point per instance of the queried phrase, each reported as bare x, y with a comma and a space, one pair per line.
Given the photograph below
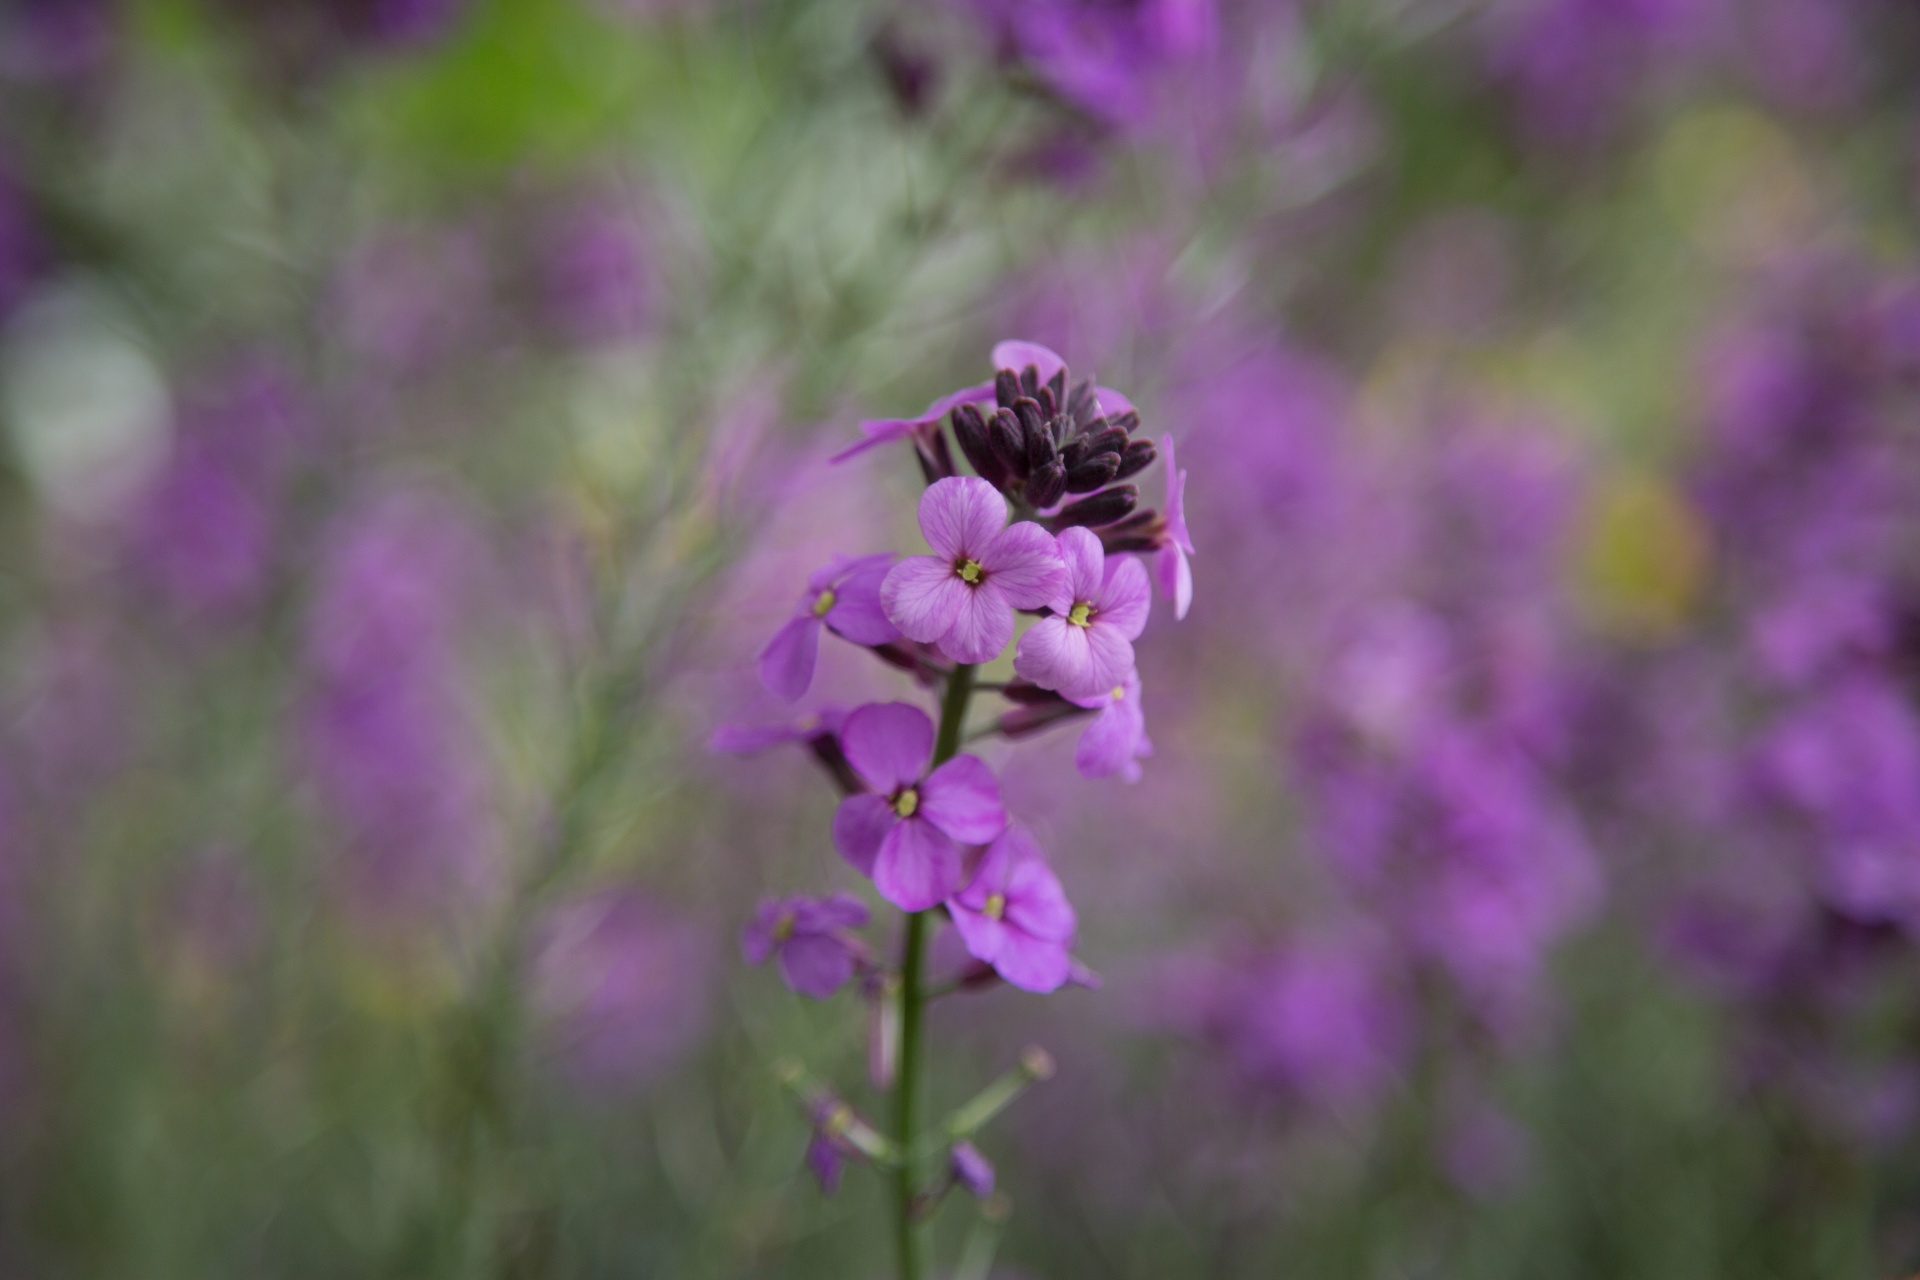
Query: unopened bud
1057, 384
1008, 444
1048, 405
1101, 508
970, 429
1093, 473
1033, 431
1129, 421
1047, 486
1037, 1063
1006, 388
1138, 457
1030, 381
930, 448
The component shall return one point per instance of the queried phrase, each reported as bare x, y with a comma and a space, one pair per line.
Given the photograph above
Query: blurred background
415, 415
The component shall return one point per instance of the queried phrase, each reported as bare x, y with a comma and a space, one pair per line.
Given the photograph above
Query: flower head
907, 831
963, 596
809, 935
1086, 647
1116, 741
1014, 915
844, 596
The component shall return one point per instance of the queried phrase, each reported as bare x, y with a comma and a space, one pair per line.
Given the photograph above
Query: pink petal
918, 866
1016, 355
1175, 577
860, 827
1024, 563
982, 627
1110, 659
962, 798
816, 966
857, 612
1107, 747
983, 935
1036, 904
922, 595
1032, 964
960, 516
1111, 401
877, 431
1125, 597
1081, 552
1054, 654
948, 403
888, 743
1176, 504
786, 664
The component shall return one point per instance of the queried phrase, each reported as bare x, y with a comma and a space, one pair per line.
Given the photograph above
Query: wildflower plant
1048, 527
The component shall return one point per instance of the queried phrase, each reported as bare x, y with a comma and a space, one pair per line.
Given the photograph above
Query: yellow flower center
783, 927
823, 602
969, 571
1119, 693
1080, 613
907, 803
996, 906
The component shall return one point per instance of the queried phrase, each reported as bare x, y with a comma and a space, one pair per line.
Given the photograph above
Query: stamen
823, 602
907, 803
969, 571
1080, 613
1119, 693
783, 927
996, 906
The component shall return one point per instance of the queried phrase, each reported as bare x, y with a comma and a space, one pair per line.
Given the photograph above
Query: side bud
970, 429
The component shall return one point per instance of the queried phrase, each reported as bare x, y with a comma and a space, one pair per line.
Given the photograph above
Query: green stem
953, 716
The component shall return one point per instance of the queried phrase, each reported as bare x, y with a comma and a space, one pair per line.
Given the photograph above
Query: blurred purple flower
809, 935
595, 268
624, 986
878, 431
1116, 741
1320, 1018
843, 596
1014, 915
1086, 646
971, 1171
963, 596
907, 832
1101, 56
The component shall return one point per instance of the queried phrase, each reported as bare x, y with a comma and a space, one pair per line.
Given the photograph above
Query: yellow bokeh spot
996, 906
1644, 556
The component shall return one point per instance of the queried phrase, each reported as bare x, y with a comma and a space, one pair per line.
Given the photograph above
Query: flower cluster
1048, 527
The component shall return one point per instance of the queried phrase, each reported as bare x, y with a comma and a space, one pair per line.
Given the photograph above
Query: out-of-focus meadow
415, 419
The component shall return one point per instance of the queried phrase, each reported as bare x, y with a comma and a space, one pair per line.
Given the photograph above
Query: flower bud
1057, 384
1030, 382
1033, 430
1128, 422
1006, 388
1093, 473
1049, 407
1101, 508
1047, 486
970, 429
1007, 442
1082, 407
930, 449
1138, 457
970, 1169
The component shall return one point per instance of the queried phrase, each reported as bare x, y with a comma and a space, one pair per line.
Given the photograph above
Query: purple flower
1014, 915
963, 596
970, 1169
1086, 647
809, 936
843, 596
752, 739
907, 832
1170, 561
1116, 741
1016, 354
879, 431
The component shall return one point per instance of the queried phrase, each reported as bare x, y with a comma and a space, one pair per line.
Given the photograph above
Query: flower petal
922, 595
1016, 355
962, 798
1111, 401
981, 628
948, 403
1125, 597
1085, 559
786, 664
857, 613
1054, 654
918, 866
1032, 964
983, 935
835, 911
960, 516
756, 940
1109, 662
1110, 743
1176, 504
1024, 562
1175, 577
887, 743
876, 432
1036, 904
816, 964
860, 827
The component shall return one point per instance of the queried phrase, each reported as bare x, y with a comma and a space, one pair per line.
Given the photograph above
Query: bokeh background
415, 415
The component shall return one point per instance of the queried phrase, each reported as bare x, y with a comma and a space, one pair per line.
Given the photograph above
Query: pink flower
1017, 355
843, 596
963, 596
1086, 647
906, 833
1116, 741
810, 937
1170, 561
1014, 915
878, 431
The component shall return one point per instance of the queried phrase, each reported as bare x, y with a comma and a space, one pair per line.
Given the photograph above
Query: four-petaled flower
809, 935
1170, 565
1116, 741
843, 595
1086, 646
908, 831
962, 597
1014, 915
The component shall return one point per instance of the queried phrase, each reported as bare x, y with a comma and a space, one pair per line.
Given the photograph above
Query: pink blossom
1086, 646
843, 596
1014, 915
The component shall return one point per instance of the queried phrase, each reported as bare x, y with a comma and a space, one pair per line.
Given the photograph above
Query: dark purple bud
971, 1169
1049, 407
930, 447
1033, 432
1028, 694
1093, 473
1030, 381
1008, 442
970, 429
1058, 385
1138, 532
1102, 508
1025, 721
1081, 406
1047, 486
1106, 439
1128, 422
1138, 457
1006, 388
826, 749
